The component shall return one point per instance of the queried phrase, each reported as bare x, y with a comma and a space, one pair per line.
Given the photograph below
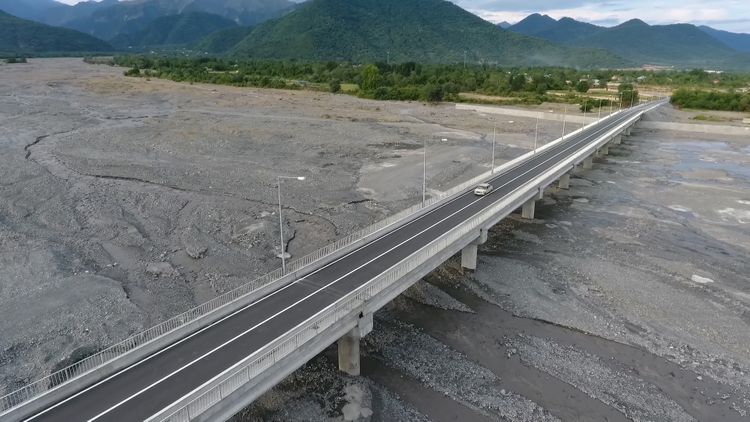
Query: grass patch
709, 118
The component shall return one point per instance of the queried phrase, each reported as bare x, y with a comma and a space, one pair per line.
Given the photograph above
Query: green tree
628, 95
135, 71
583, 86
433, 93
517, 82
335, 86
370, 77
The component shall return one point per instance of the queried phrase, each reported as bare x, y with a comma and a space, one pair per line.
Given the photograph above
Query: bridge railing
85, 366
350, 304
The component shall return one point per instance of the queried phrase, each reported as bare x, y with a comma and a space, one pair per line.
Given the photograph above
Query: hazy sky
731, 15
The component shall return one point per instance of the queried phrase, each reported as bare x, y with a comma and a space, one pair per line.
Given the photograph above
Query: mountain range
414, 30
680, 45
368, 30
111, 18
23, 36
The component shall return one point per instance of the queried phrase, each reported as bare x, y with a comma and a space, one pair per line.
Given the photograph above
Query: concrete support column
469, 257
469, 253
605, 150
528, 209
627, 131
564, 182
348, 346
588, 163
617, 140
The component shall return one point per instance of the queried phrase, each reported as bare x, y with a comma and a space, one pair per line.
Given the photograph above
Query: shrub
335, 86
134, 72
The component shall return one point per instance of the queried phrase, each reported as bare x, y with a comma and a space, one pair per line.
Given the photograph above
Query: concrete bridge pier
348, 345
588, 163
529, 207
469, 253
617, 140
564, 182
604, 150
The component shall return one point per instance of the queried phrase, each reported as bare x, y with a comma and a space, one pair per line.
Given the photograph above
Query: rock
701, 280
161, 269
196, 251
194, 246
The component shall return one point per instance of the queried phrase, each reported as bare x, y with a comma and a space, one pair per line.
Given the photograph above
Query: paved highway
145, 388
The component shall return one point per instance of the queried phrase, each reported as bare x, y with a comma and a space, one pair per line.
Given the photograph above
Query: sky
730, 15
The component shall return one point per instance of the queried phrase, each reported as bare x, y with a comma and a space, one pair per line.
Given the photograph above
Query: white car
483, 189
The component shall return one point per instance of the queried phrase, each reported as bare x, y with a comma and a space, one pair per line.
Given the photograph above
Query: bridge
215, 359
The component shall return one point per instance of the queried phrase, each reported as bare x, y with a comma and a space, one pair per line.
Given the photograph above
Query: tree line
711, 100
413, 81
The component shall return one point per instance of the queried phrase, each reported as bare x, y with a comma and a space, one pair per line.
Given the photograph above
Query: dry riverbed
125, 201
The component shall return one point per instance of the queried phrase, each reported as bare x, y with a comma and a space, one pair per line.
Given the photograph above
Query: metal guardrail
352, 303
349, 304
97, 360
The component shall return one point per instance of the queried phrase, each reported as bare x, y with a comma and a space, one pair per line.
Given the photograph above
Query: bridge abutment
348, 346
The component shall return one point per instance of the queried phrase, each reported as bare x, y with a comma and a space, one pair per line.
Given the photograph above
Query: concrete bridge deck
163, 385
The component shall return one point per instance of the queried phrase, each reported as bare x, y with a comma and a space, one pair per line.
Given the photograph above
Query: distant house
613, 85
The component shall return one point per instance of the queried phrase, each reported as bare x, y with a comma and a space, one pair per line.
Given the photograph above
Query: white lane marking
146, 359
278, 313
284, 288
346, 275
329, 285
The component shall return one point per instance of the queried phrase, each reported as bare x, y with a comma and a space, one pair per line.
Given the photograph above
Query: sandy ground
125, 201
626, 299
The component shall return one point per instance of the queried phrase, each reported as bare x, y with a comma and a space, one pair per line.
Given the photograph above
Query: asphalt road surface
147, 387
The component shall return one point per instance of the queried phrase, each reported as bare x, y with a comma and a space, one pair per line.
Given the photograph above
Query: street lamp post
565, 114
600, 110
536, 133
282, 247
494, 137
424, 170
585, 106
